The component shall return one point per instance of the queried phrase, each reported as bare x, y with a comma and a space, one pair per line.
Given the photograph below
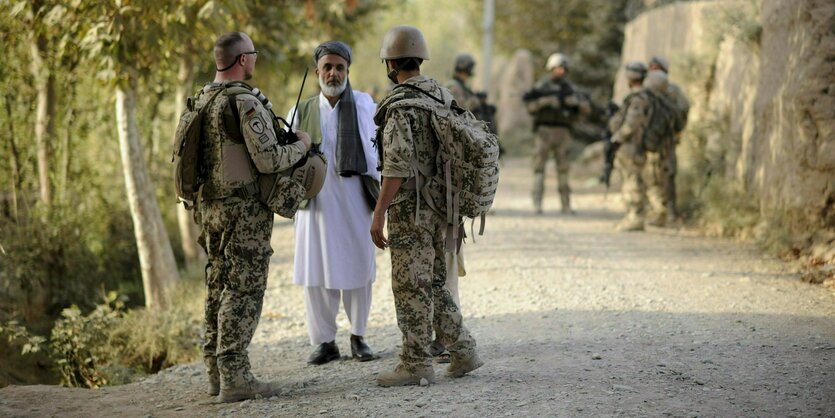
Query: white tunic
333, 243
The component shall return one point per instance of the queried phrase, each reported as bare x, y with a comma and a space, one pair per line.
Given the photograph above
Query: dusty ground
572, 319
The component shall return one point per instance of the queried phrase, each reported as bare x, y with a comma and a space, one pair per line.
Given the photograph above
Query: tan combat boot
658, 220
463, 364
565, 201
249, 390
402, 377
629, 224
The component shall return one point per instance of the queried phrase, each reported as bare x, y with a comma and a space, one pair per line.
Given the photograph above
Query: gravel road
572, 318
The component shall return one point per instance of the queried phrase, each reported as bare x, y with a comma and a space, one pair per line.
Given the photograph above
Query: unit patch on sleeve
257, 125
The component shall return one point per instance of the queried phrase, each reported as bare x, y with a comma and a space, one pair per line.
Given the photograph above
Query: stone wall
775, 88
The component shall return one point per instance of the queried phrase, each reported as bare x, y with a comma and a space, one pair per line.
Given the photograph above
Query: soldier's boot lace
463, 363
403, 377
250, 390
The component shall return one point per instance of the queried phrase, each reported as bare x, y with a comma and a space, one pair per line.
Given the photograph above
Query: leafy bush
112, 345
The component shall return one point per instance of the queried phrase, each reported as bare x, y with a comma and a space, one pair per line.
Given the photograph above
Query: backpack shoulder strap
233, 123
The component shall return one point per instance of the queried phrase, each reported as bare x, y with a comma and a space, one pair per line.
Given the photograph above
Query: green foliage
112, 345
18, 334
739, 20
77, 342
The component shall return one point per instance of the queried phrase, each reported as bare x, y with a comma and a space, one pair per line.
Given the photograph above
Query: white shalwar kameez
334, 251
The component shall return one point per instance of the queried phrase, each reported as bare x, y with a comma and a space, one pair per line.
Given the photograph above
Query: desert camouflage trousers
237, 238
631, 161
645, 180
659, 173
418, 276
556, 141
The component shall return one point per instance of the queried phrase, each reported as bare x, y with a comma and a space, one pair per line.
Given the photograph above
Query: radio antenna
298, 99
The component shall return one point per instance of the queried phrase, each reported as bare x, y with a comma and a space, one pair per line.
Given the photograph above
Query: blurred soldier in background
677, 97
627, 126
555, 106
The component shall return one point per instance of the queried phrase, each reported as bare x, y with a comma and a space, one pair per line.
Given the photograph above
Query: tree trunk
159, 270
14, 158
45, 116
66, 148
189, 231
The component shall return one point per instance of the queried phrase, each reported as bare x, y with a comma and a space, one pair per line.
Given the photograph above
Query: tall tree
125, 41
40, 64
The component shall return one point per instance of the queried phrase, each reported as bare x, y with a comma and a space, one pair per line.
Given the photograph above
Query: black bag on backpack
662, 121
188, 175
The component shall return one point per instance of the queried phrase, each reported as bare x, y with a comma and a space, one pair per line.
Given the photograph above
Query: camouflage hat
404, 42
464, 63
636, 70
661, 62
556, 60
656, 80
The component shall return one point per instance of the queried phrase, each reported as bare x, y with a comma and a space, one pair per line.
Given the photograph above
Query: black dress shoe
360, 351
324, 353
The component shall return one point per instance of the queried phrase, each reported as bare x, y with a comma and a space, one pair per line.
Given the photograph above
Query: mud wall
770, 76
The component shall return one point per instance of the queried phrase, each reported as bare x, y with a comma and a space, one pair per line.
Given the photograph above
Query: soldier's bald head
228, 46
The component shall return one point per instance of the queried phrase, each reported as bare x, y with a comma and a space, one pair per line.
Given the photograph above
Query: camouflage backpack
467, 159
188, 174
662, 120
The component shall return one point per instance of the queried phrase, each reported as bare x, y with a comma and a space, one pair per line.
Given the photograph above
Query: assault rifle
609, 149
564, 91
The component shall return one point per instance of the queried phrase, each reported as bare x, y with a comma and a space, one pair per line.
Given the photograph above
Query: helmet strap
392, 75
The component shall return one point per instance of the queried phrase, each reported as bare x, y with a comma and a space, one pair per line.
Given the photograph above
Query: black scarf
350, 155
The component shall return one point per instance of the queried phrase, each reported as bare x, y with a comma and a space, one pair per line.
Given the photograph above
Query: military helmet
556, 60
660, 62
636, 70
404, 42
311, 174
464, 63
656, 80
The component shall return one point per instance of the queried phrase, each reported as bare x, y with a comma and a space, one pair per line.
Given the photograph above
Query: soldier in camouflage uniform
677, 96
627, 127
464, 96
658, 170
236, 225
554, 106
417, 233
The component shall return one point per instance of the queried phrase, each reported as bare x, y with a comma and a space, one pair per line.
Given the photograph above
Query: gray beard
332, 91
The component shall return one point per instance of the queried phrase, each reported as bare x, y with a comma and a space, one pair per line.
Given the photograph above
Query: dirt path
572, 319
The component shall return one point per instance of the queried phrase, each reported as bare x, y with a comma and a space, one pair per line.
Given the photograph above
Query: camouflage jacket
465, 97
628, 123
234, 157
406, 136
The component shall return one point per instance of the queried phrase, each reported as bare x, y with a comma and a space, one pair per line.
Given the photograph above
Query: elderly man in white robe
334, 257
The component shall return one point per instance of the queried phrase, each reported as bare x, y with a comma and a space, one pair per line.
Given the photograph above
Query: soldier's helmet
661, 62
656, 80
557, 60
636, 70
464, 63
404, 42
